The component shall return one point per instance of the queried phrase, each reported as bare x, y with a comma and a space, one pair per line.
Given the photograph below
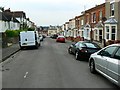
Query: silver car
107, 62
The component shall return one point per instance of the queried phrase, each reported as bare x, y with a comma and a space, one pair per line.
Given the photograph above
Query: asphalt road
50, 66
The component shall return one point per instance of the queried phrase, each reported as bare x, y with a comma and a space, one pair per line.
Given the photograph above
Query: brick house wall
92, 17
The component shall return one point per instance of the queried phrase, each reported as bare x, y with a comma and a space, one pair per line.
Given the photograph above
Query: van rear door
27, 38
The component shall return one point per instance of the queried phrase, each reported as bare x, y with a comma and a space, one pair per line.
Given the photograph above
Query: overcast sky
50, 12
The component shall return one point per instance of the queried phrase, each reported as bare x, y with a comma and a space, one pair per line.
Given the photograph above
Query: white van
29, 38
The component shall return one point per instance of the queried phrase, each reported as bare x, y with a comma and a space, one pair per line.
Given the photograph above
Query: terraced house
112, 24
94, 18
100, 23
80, 25
8, 22
72, 27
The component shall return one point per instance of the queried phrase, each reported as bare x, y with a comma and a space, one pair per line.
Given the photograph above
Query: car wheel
70, 51
77, 56
92, 66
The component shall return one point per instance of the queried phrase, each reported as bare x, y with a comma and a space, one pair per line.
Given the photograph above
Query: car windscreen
91, 45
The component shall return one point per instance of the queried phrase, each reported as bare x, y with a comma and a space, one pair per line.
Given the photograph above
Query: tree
2, 9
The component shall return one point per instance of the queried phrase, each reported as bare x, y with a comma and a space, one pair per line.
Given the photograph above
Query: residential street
50, 66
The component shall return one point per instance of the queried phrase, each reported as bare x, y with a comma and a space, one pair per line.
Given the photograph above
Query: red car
60, 39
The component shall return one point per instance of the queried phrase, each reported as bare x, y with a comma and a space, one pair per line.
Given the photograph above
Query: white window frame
94, 17
82, 21
113, 33
100, 29
100, 14
110, 31
96, 34
112, 9
107, 33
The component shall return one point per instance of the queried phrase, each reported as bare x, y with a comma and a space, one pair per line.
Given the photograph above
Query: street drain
7, 69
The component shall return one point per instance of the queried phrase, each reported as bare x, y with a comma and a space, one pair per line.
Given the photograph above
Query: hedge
12, 33
15, 33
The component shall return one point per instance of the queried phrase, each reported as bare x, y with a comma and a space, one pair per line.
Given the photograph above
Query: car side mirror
101, 53
104, 53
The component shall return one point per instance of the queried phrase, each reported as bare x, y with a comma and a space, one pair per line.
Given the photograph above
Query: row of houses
14, 20
97, 23
50, 30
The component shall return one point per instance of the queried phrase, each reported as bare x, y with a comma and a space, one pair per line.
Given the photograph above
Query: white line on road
26, 74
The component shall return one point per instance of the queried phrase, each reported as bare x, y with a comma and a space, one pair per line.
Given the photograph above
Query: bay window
113, 32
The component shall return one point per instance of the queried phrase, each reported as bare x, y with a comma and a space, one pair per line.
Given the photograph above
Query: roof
87, 26
99, 25
19, 14
67, 23
15, 20
8, 17
82, 27
3, 17
111, 21
96, 7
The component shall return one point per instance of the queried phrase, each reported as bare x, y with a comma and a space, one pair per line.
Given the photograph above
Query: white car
107, 62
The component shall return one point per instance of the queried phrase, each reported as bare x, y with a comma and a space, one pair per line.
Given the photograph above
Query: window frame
100, 53
113, 33
115, 53
112, 9
107, 32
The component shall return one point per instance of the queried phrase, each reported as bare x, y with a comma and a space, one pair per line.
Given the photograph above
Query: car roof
60, 36
86, 42
115, 44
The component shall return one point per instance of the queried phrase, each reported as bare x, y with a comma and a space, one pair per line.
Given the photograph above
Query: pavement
7, 52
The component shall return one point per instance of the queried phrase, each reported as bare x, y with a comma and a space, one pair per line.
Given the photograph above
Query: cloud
50, 11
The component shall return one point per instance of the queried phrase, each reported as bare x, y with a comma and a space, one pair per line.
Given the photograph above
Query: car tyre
69, 51
92, 67
77, 56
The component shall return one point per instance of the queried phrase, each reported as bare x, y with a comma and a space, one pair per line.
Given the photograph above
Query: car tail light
83, 50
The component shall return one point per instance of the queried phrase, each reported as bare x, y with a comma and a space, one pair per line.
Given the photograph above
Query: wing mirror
104, 53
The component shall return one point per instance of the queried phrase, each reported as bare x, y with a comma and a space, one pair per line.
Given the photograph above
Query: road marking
26, 74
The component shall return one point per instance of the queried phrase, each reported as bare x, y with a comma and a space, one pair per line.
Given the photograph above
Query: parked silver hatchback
107, 62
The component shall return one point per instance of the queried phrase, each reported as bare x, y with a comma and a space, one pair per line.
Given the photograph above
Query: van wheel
39, 44
92, 66
21, 48
36, 46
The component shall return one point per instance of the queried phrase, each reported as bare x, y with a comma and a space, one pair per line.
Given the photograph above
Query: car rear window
91, 45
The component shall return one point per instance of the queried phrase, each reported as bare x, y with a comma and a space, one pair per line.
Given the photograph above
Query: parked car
44, 36
107, 62
54, 36
41, 37
60, 39
83, 49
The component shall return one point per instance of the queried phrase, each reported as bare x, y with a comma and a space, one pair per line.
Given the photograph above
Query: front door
100, 35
